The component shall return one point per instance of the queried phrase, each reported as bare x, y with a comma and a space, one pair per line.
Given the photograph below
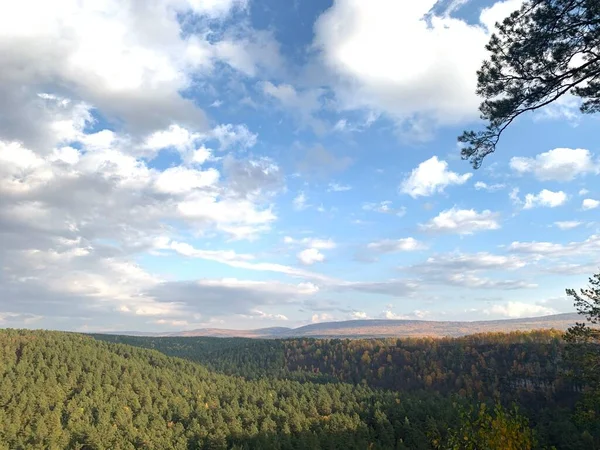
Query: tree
584, 350
545, 50
502, 430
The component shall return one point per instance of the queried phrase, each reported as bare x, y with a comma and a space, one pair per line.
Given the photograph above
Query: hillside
519, 365
386, 328
68, 391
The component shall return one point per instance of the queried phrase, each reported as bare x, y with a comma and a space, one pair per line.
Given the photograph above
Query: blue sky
182, 164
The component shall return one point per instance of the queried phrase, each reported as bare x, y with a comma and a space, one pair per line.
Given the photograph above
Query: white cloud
545, 198
474, 282
462, 270
256, 313
230, 136
73, 221
299, 201
567, 224
480, 185
180, 180
320, 244
398, 245
583, 192
384, 207
590, 203
130, 60
515, 310
551, 249
358, 42
336, 187
566, 107
462, 221
251, 52
310, 256
430, 177
359, 315
244, 261
560, 164
323, 317
464, 262
237, 217
174, 136
415, 315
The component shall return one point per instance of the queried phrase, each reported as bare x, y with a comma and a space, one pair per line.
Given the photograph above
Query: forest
67, 390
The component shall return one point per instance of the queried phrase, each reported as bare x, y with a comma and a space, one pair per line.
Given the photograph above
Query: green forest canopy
64, 390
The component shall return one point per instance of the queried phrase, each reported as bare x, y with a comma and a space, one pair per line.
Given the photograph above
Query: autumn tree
500, 430
543, 51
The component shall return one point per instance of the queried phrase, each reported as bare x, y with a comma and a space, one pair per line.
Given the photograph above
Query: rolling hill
386, 328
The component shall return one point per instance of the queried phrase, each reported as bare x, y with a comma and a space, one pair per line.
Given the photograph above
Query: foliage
512, 365
67, 391
502, 430
64, 390
547, 49
526, 367
584, 351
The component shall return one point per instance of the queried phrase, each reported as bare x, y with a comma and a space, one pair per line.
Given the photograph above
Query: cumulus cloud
431, 177
313, 253
230, 136
323, 317
130, 60
320, 244
567, 224
310, 256
427, 83
590, 203
417, 314
514, 310
396, 245
462, 221
560, 164
545, 198
72, 221
253, 178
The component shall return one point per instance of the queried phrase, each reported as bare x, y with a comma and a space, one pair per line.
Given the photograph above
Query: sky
179, 164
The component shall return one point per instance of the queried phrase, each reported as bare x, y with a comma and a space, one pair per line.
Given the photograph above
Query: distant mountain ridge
384, 328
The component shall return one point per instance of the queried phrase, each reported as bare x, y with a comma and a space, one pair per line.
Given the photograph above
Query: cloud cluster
396, 245
462, 221
312, 253
403, 60
463, 270
545, 198
559, 164
430, 177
